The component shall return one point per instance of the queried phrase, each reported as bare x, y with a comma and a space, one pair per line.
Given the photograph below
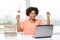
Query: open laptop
43, 31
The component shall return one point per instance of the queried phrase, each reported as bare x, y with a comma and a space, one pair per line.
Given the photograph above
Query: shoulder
25, 21
40, 21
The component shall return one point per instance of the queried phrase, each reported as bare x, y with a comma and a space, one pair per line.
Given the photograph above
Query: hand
18, 17
48, 14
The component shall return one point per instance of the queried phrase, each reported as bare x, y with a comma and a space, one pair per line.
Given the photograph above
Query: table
28, 37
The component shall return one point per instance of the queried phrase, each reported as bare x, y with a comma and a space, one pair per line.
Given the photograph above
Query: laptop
43, 31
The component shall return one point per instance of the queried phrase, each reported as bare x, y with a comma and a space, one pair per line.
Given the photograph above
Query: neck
32, 20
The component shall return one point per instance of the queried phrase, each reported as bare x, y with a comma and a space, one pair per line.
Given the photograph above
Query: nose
33, 14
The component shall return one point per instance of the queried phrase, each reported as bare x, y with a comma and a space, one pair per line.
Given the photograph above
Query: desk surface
56, 36
28, 37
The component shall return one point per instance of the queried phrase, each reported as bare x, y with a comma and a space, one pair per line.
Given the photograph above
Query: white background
10, 7
53, 6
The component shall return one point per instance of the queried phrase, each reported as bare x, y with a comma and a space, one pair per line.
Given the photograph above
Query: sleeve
41, 22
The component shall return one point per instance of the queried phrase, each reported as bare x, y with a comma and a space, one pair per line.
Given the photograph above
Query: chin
33, 18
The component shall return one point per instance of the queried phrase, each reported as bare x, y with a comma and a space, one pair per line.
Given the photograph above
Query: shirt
29, 28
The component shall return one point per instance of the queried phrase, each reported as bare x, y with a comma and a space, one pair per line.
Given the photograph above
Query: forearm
18, 26
48, 20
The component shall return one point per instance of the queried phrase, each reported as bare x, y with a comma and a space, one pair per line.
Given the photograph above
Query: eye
32, 13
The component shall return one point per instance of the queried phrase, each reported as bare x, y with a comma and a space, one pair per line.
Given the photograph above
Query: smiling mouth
33, 16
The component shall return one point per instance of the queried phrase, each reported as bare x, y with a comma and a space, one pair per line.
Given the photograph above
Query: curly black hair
30, 9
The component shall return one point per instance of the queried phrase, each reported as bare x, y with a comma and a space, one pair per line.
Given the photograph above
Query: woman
28, 26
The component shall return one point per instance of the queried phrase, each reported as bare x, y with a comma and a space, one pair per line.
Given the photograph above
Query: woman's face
32, 15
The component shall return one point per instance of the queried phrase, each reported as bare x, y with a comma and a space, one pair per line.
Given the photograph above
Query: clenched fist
18, 17
48, 14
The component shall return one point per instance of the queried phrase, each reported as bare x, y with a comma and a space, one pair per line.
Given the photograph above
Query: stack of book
10, 30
